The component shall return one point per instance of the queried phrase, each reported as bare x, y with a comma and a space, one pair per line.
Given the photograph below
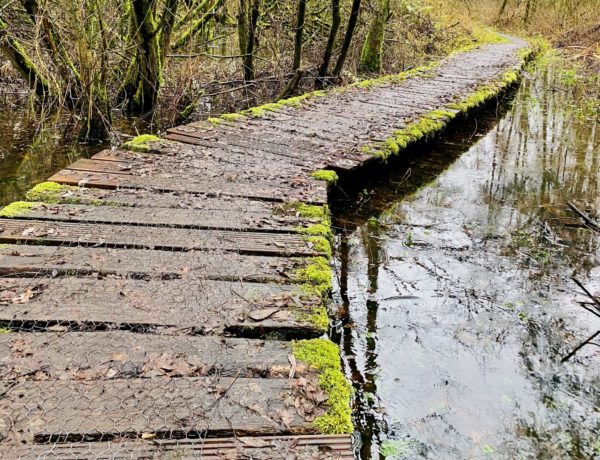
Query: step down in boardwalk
167, 301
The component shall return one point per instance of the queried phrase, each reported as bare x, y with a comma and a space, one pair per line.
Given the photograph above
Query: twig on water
580, 346
587, 219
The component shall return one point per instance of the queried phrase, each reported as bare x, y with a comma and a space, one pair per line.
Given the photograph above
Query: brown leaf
120, 357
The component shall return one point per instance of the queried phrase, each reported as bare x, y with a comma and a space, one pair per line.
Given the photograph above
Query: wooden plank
189, 157
39, 260
130, 236
197, 306
68, 411
299, 189
242, 154
165, 217
128, 355
333, 447
152, 199
231, 138
171, 166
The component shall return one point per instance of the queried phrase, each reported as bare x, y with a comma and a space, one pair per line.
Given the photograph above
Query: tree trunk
53, 43
339, 66
167, 24
502, 9
372, 51
92, 50
247, 22
528, 9
300, 17
198, 24
17, 55
336, 20
146, 72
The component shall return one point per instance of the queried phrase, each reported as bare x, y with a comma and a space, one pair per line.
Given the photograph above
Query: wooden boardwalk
170, 300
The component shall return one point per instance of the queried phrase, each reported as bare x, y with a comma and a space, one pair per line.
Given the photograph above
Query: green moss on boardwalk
326, 175
51, 192
433, 122
316, 277
324, 356
18, 209
141, 143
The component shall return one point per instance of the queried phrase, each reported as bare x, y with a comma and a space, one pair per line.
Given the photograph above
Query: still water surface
455, 281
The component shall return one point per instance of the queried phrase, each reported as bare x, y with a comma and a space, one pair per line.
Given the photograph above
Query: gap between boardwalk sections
157, 298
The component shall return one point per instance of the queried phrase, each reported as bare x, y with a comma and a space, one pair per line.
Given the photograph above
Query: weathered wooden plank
242, 448
39, 260
242, 153
165, 217
198, 306
129, 236
162, 407
300, 189
180, 166
303, 447
128, 355
153, 199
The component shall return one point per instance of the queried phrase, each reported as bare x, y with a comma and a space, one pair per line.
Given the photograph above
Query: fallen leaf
292, 361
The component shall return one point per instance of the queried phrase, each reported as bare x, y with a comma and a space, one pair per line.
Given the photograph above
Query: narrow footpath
170, 299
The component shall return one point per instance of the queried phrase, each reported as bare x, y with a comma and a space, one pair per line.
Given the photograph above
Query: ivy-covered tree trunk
198, 24
300, 17
167, 24
336, 20
247, 21
92, 48
372, 50
144, 78
53, 43
354, 13
17, 55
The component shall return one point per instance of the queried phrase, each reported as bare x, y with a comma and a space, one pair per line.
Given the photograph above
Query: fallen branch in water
596, 302
580, 346
587, 219
593, 309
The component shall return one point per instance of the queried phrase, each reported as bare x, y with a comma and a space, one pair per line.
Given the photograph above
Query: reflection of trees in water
545, 156
544, 153
369, 422
31, 152
568, 426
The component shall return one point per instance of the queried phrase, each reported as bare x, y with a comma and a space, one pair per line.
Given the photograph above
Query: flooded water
455, 277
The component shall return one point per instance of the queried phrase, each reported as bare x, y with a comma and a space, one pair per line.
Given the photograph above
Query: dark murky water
458, 302
31, 150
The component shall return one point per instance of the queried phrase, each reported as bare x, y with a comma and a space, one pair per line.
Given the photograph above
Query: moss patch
316, 277
4, 330
426, 126
425, 71
141, 143
317, 317
323, 230
326, 175
320, 244
324, 356
18, 209
51, 192
308, 211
